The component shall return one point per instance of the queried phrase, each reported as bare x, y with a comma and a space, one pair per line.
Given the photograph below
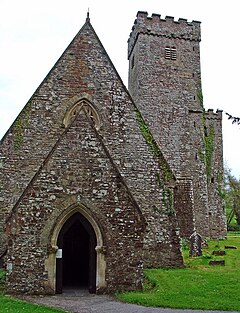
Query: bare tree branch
235, 120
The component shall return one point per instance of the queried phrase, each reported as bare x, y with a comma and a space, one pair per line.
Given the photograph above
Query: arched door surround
77, 219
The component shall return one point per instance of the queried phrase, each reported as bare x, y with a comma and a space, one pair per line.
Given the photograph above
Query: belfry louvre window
170, 53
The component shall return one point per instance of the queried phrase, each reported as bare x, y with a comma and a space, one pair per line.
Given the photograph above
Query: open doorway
76, 266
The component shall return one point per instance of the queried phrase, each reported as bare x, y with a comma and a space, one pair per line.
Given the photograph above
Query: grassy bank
199, 285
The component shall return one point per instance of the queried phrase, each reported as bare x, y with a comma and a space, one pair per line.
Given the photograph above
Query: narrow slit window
205, 131
133, 61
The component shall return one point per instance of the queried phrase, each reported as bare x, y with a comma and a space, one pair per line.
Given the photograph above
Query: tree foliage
232, 197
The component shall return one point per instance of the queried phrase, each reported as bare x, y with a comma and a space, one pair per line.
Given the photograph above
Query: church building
99, 181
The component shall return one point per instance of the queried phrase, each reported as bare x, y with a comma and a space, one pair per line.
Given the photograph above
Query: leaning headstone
195, 245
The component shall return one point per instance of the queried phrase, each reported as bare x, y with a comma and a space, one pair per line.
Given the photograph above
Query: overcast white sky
34, 33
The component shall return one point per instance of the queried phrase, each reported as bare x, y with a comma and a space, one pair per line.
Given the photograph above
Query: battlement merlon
168, 27
210, 114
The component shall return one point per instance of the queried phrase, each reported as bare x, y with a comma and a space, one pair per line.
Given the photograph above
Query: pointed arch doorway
76, 267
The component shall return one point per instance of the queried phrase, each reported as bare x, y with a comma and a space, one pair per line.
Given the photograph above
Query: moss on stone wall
147, 135
168, 201
209, 149
154, 148
220, 189
209, 135
166, 173
19, 125
167, 196
200, 97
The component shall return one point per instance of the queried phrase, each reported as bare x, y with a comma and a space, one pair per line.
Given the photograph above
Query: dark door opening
76, 256
77, 267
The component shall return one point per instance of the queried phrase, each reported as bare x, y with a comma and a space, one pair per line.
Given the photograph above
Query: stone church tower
165, 82
97, 184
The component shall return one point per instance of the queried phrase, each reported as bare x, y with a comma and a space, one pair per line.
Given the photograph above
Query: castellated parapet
167, 27
210, 114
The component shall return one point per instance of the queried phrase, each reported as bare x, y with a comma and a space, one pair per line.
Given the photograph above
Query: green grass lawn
11, 305
198, 286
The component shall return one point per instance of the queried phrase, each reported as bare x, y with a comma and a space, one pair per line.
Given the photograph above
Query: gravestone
230, 247
217, 262
219, 252
195, 245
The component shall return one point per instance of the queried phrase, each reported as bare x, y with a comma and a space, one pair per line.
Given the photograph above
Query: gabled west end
80, 167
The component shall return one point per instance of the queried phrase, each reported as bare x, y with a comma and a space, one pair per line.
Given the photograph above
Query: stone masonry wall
78, 166
83, 71
184, 205
198, 165
167, 88
217, 218
209, 165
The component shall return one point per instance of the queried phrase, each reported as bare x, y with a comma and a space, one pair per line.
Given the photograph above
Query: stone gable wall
78, 167
36, 154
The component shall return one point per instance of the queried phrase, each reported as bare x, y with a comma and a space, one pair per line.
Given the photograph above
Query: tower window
133, 61
170, 53
205, 131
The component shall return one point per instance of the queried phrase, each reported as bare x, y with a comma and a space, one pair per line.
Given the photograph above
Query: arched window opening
87, 107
